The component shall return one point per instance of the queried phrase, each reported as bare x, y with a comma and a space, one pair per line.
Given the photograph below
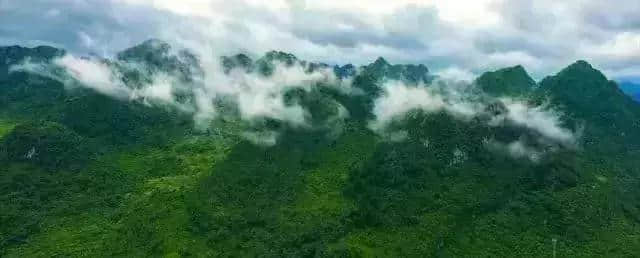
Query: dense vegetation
46, 144
83, 174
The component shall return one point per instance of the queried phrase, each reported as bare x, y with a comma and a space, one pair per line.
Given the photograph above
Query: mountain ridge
451, 174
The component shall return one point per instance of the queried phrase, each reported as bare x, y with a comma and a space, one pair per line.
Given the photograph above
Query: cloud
445, 95
398, 98
254, 96
542, 35
541, 119
258, 96
104, 77
95, 75
461, 100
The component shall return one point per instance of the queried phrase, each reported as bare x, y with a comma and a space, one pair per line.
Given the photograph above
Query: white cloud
460, 102
254, 95
398, 99
258, 96
545, 121
96, 75
161, 89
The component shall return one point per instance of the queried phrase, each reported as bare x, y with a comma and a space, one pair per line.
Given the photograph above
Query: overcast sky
453, 36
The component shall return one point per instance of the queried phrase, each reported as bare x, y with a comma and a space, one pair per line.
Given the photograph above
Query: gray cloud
101, 27
543, 35
619, 16
344, 30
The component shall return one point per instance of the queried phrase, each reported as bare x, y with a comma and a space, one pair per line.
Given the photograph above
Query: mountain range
151, 153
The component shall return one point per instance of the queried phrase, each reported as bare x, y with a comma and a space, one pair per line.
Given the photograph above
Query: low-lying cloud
254, 95
460, 101
95, 75
398, 99
541, 119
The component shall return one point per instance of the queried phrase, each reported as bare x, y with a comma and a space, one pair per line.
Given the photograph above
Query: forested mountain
152, 154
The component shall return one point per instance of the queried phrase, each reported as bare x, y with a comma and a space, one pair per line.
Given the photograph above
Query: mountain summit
511, 81
588, 96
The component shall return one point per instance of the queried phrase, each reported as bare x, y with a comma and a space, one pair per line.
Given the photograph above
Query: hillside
275, 156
